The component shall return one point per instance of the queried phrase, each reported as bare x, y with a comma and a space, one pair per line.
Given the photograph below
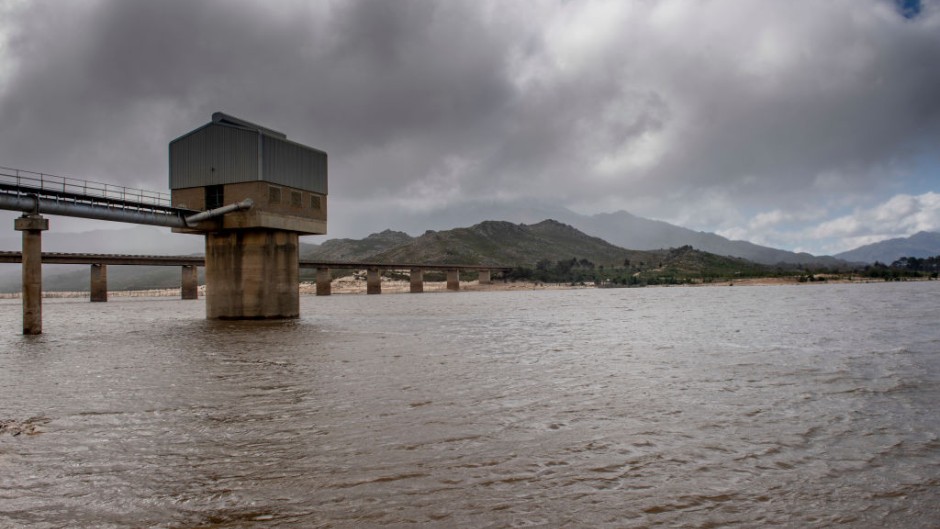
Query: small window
215, 196
296, 199
315, 202
274, 195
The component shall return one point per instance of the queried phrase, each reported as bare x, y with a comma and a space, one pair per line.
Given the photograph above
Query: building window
296, 199
314, 202
215, 196
274, 195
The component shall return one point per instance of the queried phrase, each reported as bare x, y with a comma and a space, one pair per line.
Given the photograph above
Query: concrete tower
252, 255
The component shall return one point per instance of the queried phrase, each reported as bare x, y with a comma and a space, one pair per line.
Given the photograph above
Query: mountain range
544, 244
600, 238
920, 245
629, 231
620, 228
497, 243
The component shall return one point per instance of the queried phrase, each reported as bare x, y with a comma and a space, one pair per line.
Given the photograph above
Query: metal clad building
230, 150
229, 160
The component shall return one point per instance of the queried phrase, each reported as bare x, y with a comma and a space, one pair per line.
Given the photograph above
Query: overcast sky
809, 125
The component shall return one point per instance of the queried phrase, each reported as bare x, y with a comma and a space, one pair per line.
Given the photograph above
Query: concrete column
485, 278
32, 227
252, 274
417, 280
189, 282
99, 283
373, 281
324, 282
453, 280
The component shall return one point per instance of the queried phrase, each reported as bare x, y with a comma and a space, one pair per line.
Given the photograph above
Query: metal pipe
205, 215
32, 203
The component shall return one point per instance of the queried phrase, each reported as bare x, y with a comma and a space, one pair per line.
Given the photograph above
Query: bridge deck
197, 260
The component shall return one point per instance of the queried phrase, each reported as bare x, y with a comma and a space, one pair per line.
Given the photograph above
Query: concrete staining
32, 226
99, 283
252, 274
417, 280
189, 282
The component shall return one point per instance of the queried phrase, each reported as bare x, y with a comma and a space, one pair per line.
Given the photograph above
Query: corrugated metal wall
212, 155
293, 165
221, 154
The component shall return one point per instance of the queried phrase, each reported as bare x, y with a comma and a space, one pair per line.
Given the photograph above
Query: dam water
778, 406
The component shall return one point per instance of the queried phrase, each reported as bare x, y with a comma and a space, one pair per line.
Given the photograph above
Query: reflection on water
799, 406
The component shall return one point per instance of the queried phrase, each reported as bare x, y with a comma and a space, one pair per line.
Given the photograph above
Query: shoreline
339, 287
346, 286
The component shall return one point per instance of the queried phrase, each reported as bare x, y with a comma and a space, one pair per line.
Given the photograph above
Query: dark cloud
425, 104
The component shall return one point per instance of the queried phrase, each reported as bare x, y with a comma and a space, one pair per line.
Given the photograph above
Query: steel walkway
20, 190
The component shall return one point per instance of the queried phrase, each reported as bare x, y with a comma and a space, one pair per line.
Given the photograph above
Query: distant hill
497, 243
76, 278
623, 229
921, 244
620, 228
502, 243
141, 240
355, 250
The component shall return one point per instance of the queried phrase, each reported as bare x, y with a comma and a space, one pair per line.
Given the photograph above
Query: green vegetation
676, 266
904, 268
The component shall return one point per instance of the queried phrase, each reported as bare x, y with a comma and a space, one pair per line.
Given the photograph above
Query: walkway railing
32, 192
42, 184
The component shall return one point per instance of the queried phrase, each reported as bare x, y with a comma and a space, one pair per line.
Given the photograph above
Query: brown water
798, 406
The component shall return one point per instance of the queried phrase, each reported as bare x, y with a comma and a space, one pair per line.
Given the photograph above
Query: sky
805, 125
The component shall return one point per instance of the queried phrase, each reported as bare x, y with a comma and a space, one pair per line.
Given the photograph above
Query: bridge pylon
32, 225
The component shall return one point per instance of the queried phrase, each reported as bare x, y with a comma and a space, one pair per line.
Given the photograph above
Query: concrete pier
485, 278
453, 280
252, 274
324, 282
189, 282
417, 280
32, 226
373, 281
99, 283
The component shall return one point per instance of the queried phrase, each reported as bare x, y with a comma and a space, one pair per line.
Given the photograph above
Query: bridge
189, 264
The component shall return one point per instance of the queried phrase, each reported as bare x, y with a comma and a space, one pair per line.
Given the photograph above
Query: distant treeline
685, 265
672, 267
905, 267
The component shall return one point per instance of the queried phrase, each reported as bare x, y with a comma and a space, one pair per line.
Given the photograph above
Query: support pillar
417, 280
373, 281
189, 282
99, 283
252, 274
324, 282
485, 277
32, 226
453, 280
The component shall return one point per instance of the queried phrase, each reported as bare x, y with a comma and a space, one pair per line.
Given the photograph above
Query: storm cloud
707, 114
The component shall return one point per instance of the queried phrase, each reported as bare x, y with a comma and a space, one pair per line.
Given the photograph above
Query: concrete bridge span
189, 263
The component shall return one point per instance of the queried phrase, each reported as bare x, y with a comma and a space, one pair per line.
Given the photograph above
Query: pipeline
212, 213
34, 204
